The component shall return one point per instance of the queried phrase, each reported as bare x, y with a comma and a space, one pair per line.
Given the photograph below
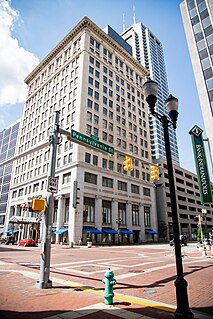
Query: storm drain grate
135, 271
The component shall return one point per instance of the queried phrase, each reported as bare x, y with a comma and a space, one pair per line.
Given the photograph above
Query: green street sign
91, 142
201, 165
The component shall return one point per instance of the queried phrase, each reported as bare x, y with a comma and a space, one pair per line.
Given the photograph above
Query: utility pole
44, 280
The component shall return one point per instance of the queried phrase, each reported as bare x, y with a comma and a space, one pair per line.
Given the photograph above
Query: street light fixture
150, 90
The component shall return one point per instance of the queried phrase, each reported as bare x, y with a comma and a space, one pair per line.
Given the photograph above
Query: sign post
201, 165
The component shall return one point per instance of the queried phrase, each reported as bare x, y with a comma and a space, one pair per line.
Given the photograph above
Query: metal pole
44, 280
182, 311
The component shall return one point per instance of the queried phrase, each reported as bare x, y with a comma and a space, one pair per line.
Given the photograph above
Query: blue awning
60, 231
150, 231
127, 232
15, 231
93, 231
110, 231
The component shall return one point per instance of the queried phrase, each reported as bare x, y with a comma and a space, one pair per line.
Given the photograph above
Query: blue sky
33, 28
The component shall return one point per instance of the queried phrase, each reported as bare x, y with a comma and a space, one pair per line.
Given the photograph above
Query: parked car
27, 242
183, 241
8, 240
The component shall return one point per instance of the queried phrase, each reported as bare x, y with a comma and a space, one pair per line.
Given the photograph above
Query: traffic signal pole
44, 280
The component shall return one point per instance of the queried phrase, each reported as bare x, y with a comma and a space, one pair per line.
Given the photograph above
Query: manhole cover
135, 271
150, 291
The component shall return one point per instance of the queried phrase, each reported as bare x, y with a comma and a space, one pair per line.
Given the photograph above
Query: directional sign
201, 165
91, 141
52, 184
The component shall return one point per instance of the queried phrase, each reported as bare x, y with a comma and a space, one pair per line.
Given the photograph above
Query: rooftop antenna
124, 26
134, 17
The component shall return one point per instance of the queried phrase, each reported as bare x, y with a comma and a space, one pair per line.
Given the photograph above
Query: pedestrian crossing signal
127, 163
154, 175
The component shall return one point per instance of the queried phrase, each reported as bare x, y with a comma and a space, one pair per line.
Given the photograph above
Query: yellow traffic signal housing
127, 163
38, 204
24, 207
154, 176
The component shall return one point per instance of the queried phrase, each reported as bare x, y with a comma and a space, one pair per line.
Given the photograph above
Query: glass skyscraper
8, 139
197, 18
148, 50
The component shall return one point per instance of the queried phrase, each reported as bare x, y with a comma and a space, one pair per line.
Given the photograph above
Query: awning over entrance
110, 231
127, 232
61, 231
23, 220
152, 232
93, 231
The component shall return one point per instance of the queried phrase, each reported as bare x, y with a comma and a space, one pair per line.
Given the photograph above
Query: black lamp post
150, 89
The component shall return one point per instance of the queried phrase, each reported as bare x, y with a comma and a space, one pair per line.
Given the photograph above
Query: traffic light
127, 163
75, 194
154, 176
39, 204
24, 207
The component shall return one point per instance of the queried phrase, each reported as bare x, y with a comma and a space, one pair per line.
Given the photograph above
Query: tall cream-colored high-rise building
96, 85
197, 18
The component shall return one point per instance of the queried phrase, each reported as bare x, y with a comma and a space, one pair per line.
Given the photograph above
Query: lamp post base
44, 285
182, 311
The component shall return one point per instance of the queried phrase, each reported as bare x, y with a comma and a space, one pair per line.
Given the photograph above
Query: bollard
109, 282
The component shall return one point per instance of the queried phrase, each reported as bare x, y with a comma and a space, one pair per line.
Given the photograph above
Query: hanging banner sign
201, 165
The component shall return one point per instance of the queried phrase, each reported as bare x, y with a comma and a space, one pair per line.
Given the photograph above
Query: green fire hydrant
109, 282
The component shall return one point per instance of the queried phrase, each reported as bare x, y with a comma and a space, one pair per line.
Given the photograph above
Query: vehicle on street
8, 240
183, 241
27, 242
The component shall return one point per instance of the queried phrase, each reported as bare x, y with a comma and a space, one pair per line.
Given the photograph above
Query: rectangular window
147, 219
95, 160
122, 186
122, 213
89, 210
135, 215
107, 182
146, 191
87, 157
66, 178
106, 211
90, 178
135, 189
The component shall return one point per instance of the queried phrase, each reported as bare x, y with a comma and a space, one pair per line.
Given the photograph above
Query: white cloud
15, 62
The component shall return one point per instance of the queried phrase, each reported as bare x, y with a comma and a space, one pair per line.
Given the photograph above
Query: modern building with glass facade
8, 140
148, 50
197, 18
96, 85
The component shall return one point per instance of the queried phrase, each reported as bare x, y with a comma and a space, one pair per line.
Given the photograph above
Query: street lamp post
150, 89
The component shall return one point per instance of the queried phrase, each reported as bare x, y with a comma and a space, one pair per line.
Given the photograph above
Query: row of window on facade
89, 178
90, 212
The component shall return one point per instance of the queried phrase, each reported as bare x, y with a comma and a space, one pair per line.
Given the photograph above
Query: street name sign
52, 184
201, 165
91, 142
